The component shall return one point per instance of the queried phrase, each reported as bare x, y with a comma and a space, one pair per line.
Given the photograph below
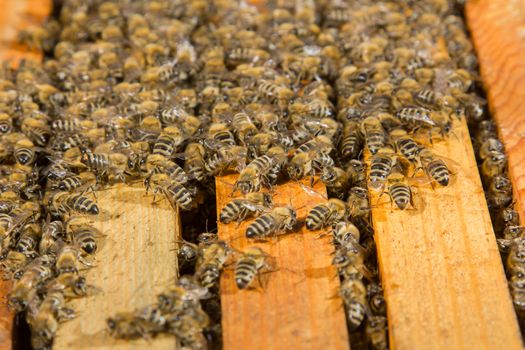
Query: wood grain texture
498, 32
137, 261
297, 307
441, 270
16, 15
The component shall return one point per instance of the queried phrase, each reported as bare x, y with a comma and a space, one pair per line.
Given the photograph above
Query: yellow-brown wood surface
297, 306
137, 261
498, 32
441, 270
16, 15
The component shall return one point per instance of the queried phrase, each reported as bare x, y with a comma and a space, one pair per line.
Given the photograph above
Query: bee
415, 117
357, 204
399, 191
70, 284
376, 332
494, 165
353, 293
263, 170
243, 126
83, 235
63, 203
126, 325
405, 144
210, 264
326, 214
29, 238
374, 134
271, 223
25, 152
489, 147
381, 164
335, 179
241, 208
219, 136
306, 164
74, 182
105, 164
174, 192
226, 158
320, 143
275, 93
168, 141
188, 329
345, 233
36, 273
506, 217
194, 163
68, 258
376, 300
187, 252
434, 167
44, 321
6, 123
499, 192
246, 55
248, 266
351, 141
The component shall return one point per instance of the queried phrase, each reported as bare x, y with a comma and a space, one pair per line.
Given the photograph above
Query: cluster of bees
498, 187
173, 93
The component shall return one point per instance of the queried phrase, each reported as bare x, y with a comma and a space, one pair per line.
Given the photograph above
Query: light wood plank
441, 270
498, 32
298, 307
137, 262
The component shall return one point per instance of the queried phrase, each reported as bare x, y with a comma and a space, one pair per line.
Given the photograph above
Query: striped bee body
415, 117
241, 208
401, 194
165, 146
380, 167
248, 266
408, 148
179, 195
351, 142
98, 162
353, 293
69, 183
24, 152
66, 126
269, 224
438, 171
326, 214
86, 238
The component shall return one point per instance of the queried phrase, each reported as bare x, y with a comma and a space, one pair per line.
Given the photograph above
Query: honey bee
27, 243
493, 165
376, 300
376, 332
226, 158
399, 190
25, 152
105, 164
275, 93
405, 144
63, 203
499, 192
175, 193
70, 284
83, 235
489, 147
135, 324
326, 214
271, 223
242, 208
263, 170
168, 141
305, 164
351, 141
353, 293
210, 264
243, 127
381, 164
44, 321
24, 289
374, 134
345, 233
415, 117
434, 167
252, 261
336, 180
357, 204
194, 163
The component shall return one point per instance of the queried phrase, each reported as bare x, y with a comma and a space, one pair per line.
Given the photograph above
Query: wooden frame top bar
298, 306
442, 274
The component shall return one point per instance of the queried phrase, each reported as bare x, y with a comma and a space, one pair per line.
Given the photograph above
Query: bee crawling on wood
326, 214
240, 209
399, 190
275, 221
249, 266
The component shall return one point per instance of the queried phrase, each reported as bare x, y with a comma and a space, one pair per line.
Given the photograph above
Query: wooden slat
16, 15
441, 270
298, 306
137, 262
498, 31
